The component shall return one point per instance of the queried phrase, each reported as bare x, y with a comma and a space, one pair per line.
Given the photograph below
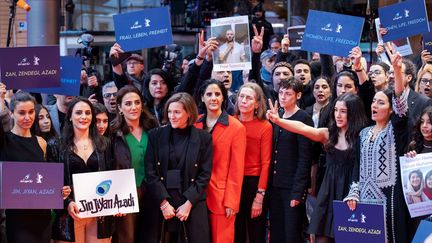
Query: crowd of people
215, 163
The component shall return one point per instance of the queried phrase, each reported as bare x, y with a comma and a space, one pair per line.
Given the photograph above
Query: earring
121, 113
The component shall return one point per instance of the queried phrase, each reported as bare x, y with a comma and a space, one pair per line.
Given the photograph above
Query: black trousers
286, 223
245, 227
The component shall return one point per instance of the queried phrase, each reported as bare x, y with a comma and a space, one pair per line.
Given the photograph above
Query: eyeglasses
108, 95
426, 81
376, 72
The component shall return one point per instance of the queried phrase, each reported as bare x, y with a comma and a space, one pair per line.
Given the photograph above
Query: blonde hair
426, 69
260, 112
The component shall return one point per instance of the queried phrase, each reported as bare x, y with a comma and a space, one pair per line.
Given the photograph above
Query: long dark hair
356, 118
346, 73
35, 129
147, 121
99, 109
221, 87
149, 100
417, 140
67, 138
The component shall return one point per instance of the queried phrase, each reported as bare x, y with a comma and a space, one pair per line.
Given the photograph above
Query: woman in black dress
340, 143
84, 150
178, 168
19, 144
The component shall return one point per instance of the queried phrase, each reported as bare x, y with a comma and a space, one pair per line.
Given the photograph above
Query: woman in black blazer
178, 167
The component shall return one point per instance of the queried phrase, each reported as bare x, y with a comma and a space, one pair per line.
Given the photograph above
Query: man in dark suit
416, 102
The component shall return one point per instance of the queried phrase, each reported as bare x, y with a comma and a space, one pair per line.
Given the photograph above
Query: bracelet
199, 58
163, 207
359, 70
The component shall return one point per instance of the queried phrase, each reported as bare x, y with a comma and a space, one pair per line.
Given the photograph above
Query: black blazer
196, 176
197, 170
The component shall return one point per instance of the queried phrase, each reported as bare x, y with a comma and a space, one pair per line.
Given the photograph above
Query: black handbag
162, 235
63, 224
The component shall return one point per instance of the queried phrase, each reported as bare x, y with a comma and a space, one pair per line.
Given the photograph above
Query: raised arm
356, 55
396, 61
316, 134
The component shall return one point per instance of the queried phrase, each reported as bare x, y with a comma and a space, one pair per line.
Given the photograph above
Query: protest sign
70, 75
234, 52
30, 67
424, 232
330, 33
427, 40
143, 29
29, 185
365, 224
295, 35
403, 46
105, 193
416, 175
404, 19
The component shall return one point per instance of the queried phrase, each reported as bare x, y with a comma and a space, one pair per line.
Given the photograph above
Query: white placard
403, 46
234, 52
416, 174
105, 193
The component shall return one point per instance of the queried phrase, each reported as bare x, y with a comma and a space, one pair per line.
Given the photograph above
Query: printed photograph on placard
417, 183
234, 52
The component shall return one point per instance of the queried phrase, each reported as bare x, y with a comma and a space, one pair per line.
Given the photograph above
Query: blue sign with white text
427, 40
404, 19
330, 33
70, 71
364, 224
143, 29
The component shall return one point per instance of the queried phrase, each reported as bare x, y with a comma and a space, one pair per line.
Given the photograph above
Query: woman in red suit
250, 109
229, 146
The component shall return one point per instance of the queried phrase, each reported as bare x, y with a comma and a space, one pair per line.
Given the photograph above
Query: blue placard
143, 29
365, 224
427, 40
424, 232
30, 185
404, 19
70, 70
30, 67
330, 33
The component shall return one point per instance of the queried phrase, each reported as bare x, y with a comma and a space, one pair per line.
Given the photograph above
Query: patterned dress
378, 174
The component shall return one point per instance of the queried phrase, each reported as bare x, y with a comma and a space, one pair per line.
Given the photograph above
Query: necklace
427, 146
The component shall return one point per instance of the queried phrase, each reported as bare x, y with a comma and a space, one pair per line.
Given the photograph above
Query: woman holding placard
178, 168
19, 144
377, 179
84, 150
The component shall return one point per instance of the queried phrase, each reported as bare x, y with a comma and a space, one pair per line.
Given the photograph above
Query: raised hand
355, 56
273, 113
115, 50
285, 43
426, 56
395, 57
257, 40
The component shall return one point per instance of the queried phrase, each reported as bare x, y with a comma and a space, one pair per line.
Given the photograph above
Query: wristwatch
262, 192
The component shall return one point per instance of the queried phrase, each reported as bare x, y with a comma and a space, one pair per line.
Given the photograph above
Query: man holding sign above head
134, 73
